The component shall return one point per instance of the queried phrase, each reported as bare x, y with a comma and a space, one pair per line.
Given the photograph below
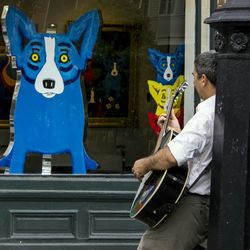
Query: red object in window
153, 118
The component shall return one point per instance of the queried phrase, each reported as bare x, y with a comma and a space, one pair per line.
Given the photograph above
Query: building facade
59, 210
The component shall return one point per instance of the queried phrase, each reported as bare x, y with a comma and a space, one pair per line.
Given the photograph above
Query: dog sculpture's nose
48, 84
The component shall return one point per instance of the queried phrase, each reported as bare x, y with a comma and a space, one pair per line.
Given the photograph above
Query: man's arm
161, 160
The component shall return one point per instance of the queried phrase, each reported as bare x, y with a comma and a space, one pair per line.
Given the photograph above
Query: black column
229, 227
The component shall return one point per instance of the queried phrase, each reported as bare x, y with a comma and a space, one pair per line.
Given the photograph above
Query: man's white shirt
194, 145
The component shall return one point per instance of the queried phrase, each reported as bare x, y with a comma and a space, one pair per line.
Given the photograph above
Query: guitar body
159, 192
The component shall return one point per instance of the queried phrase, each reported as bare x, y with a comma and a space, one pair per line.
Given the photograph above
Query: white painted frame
190, 44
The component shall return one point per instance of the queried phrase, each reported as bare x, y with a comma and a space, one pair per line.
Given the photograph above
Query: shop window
166, 7
116, 133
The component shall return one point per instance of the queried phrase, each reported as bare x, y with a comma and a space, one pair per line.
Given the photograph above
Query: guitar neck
164, 126
179, 90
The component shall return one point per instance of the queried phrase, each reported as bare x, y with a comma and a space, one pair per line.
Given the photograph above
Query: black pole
229, 226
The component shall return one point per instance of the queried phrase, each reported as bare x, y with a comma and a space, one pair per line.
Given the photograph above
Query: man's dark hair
206, 63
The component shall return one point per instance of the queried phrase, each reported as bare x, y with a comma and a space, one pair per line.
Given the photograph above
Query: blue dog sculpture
167, 65
49, 112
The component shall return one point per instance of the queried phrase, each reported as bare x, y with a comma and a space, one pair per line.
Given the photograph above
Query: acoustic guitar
160, 190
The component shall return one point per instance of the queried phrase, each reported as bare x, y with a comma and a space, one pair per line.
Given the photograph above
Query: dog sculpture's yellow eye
64, 58
163, 65
172, 64
35, 57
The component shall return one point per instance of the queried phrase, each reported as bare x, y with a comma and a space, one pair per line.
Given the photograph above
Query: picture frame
7, 83
7, 86
109, 81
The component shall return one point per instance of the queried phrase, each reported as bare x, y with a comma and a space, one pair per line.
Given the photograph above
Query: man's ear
180, 54
84, 31
204, 80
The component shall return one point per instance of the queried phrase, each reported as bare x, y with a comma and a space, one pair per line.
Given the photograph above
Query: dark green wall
62, 212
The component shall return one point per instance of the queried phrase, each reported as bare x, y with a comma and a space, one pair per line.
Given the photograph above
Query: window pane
220, 3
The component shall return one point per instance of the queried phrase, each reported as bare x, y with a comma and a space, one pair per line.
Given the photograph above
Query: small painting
109, 78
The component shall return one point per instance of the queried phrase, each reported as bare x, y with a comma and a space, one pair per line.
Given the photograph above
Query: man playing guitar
187, 225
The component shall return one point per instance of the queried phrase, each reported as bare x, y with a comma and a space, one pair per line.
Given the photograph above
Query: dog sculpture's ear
180, 53
84, 31
154, 89
19, 30
154, 56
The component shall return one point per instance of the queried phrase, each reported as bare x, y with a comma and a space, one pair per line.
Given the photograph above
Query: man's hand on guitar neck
173, 123
161, 160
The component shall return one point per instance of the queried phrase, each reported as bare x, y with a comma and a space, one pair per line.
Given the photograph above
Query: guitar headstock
175, 95
180, 89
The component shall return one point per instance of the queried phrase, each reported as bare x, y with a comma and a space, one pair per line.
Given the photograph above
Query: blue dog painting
49, 111
167, 65
169, 76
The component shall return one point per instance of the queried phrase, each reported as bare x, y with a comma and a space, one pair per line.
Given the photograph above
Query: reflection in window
166, 7
220, 3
